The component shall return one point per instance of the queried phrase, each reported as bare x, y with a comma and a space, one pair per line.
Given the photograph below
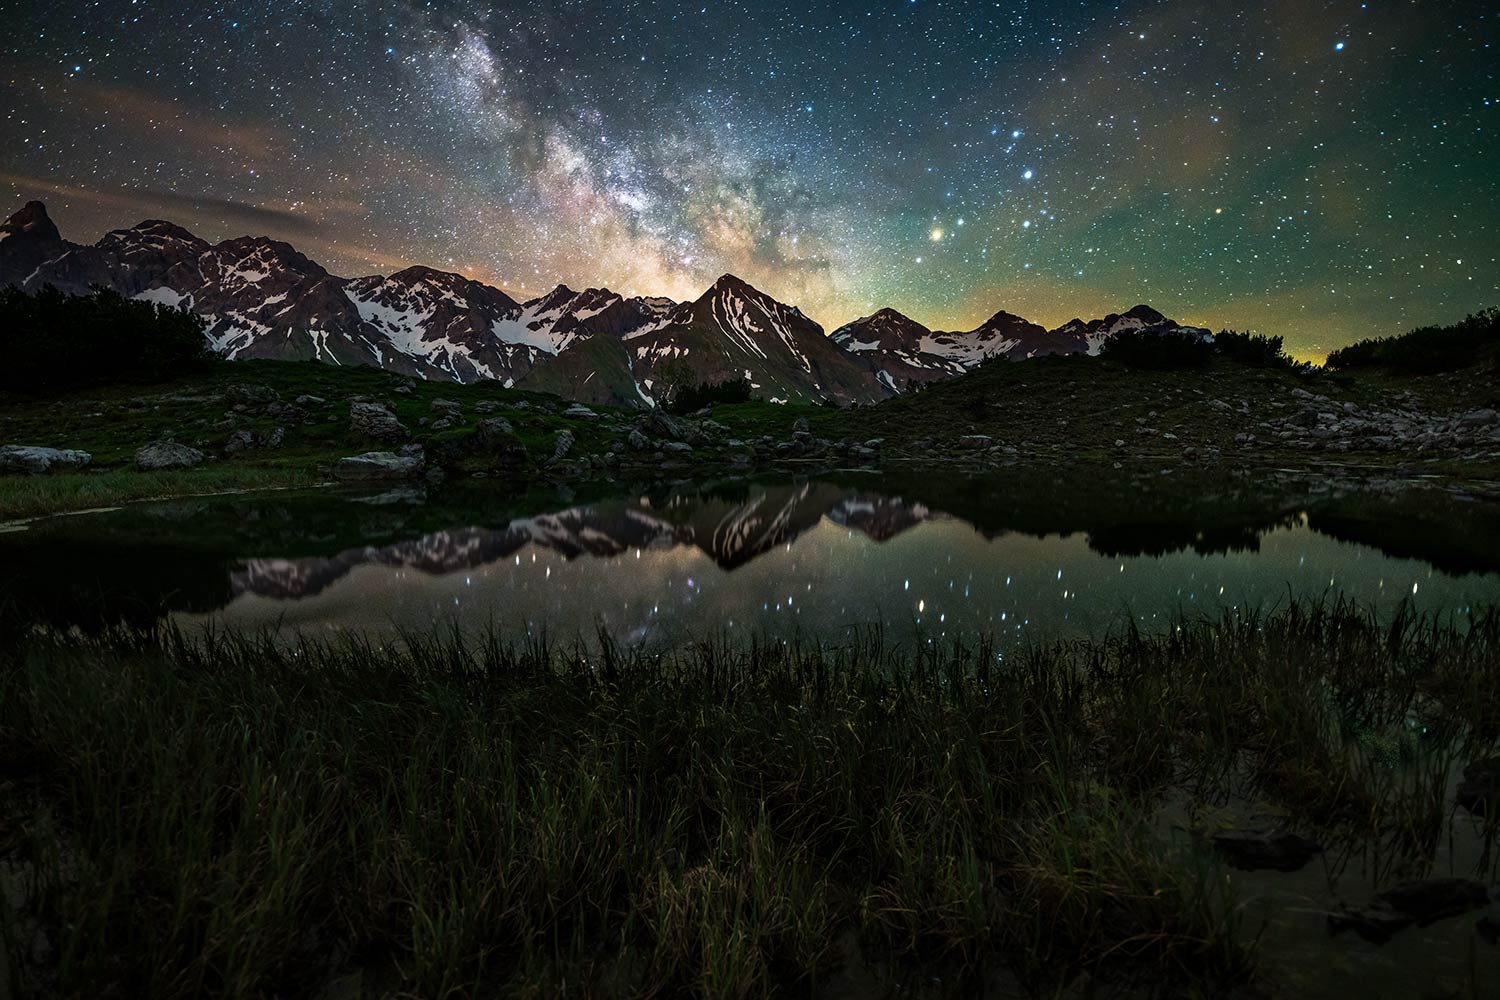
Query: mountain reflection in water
809, 558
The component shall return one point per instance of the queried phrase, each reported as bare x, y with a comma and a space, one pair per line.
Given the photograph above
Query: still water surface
778, 559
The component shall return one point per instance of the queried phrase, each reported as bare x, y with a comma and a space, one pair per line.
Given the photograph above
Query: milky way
1319, 170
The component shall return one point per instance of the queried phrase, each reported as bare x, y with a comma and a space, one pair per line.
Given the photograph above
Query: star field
1320, 170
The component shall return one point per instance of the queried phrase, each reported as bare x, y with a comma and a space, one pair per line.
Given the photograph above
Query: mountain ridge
263, 298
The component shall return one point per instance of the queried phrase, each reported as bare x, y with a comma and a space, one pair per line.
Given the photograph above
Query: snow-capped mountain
732, 331
261, 298
899, 348
1090, 337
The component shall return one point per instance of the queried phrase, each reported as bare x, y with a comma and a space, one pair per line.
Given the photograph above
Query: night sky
1314, 169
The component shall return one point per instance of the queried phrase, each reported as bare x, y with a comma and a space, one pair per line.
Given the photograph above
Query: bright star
936, 235
1026, 175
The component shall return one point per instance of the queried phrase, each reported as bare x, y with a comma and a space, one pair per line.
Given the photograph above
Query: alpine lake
918, 560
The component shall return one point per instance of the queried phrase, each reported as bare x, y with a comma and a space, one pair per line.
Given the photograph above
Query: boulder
581, 411
493, 429
1479, 792
239, 441
379, 465
1418, 903
665, 425
800, 426
31, 459
373, 420
562, 444
678, 447
252, 394
167, 455
1279, 851
639, 441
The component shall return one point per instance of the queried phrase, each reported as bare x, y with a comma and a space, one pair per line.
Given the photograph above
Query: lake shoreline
279, 424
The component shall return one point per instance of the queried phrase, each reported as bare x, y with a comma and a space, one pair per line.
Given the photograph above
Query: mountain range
262, 298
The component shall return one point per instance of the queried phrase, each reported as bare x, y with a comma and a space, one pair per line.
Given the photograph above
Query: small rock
273, 439
800, 425
33, 460
442, 424
167, 455
639, 441
581, 411
309, 400
447, 407
678, 447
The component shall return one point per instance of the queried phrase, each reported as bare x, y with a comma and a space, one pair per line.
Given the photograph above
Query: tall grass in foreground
229, 816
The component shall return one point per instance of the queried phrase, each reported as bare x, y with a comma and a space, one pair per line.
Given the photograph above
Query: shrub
691, 398
1257, 350
54, 341
1427, 349
1160, 351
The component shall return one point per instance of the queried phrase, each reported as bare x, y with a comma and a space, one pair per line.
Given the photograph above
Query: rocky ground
322, 423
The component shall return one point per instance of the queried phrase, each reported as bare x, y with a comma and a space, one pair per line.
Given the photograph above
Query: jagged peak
32, 218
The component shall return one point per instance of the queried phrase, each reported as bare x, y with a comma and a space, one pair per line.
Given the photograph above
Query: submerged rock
33, 460
167, 455
1254, 851
1418, 903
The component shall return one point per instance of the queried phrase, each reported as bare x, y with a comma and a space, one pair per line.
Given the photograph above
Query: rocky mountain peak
32, 218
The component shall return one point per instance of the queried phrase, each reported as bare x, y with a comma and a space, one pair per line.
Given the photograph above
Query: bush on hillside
52, 341
1157, 351
692, 398
1427, 349
1257, 350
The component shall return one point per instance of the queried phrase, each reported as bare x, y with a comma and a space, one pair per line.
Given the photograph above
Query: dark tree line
1172, 351
51, 341
692, 398
1427, 349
